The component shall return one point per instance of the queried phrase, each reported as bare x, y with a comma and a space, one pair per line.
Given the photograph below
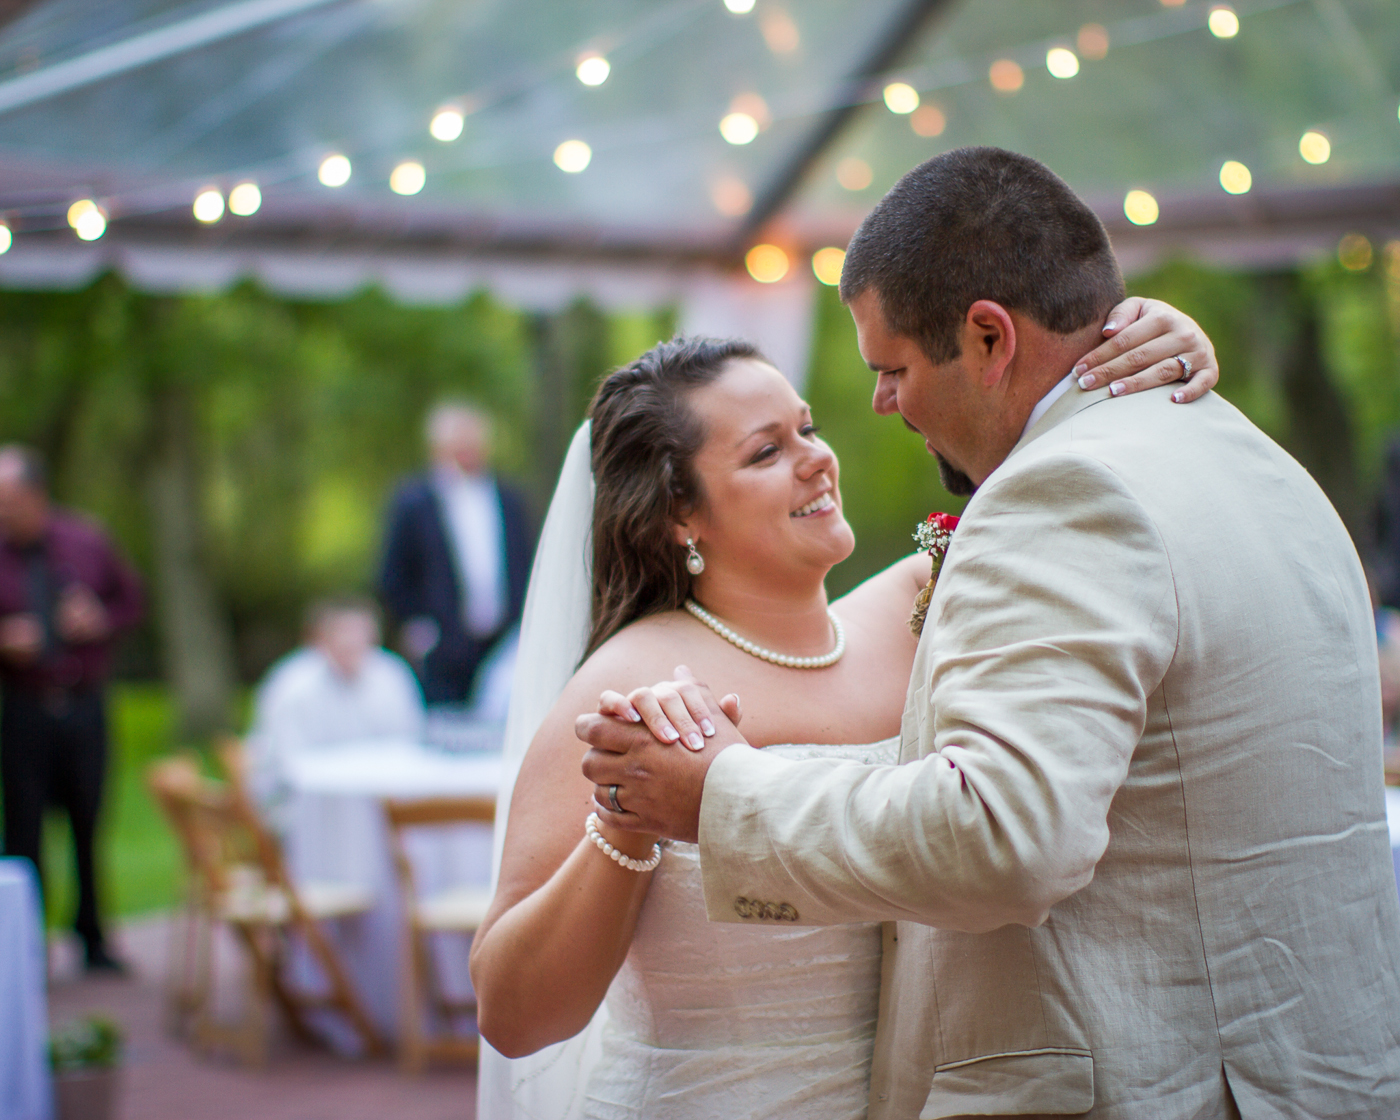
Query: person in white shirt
340, 687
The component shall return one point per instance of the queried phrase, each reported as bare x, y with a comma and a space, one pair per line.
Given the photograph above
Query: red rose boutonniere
933, 536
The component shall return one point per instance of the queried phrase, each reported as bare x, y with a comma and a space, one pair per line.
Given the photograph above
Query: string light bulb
1140, 208
826, 265
739, 7
1061, 62
408, 177
1315, 147
901, 98
1092, 40
446, 124
209, 205
89, 221
573, 156
1006, 76
1235, 177
1223, 22
738, 128
1354, 252
928, 120
854, 174
334, 170
731, 196
7, 238
245, 199
593, 70
766, 263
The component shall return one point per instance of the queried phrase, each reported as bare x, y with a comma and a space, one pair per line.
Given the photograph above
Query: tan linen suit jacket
1135, 859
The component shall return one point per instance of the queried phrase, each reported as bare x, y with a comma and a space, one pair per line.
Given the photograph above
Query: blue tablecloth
26, 1092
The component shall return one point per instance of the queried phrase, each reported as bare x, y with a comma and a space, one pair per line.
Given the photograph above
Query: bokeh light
6, 237
78, 209
1223, 22
1315, 147
1093, 40
854, 174
766, 263
334, 171
1140, 208
779, 31
245, 199
447, 124
738, 128
209, 205
1235, 177
928, 120
731, 196
739, 7
1354, 252
573, 156
408, 177
90, 221
1006, 76
593, 70
1061, 62
901, 98
826, 265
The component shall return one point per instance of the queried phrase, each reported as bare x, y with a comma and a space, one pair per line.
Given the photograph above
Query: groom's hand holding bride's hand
633, 745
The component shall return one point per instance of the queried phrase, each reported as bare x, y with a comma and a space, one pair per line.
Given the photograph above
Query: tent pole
898, 36
152, 46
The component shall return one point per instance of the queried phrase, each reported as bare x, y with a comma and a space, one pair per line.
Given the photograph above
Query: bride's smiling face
771, 500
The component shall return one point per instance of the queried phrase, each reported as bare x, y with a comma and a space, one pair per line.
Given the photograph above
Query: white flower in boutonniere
933, 536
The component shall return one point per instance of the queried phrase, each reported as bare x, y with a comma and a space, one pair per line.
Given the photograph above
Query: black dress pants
53, 751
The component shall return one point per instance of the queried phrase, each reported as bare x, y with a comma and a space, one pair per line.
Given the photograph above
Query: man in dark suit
457, 556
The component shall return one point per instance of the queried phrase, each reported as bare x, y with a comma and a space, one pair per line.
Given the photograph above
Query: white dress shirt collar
1057, 391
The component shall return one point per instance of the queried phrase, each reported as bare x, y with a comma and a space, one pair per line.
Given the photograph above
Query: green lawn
141, 864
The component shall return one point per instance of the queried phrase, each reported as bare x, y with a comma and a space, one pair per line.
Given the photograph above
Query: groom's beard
954, 481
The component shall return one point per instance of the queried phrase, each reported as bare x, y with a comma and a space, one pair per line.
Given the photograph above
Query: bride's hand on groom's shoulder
1145, 344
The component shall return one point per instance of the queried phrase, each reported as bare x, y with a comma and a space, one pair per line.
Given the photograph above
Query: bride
710, 486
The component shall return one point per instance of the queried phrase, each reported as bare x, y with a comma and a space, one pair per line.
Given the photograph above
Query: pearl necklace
785, 660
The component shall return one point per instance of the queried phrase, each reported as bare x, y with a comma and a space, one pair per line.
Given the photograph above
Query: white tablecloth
25, 1089
336, 833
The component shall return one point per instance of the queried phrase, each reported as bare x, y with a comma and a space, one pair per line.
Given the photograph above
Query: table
336, 833
26, 1091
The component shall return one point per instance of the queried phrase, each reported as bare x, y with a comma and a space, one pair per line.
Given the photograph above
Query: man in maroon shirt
65, 593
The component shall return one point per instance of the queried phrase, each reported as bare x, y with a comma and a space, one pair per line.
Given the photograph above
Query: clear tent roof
140, 104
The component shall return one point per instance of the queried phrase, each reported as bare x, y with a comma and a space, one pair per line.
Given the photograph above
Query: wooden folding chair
282, 908
457, 910
177, 788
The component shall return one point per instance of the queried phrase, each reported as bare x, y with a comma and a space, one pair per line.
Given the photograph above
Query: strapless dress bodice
718, 1019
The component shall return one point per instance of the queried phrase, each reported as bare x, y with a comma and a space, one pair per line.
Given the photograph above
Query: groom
1135, 860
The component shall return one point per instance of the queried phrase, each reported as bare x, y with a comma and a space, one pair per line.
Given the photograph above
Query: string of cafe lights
749, 115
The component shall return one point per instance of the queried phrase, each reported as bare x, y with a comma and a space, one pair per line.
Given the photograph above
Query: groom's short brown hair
981, 223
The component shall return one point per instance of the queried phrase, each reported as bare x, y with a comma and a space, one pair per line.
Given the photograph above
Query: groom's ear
989, 341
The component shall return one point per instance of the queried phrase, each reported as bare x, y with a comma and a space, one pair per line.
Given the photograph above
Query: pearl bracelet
617, 857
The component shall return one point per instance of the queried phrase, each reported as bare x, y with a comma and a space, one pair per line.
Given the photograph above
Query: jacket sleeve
121, 595
401, 572
1053, 622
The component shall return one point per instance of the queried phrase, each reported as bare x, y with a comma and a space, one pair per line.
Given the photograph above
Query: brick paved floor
165, 1080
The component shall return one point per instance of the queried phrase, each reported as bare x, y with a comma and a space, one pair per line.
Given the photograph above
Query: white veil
553, 634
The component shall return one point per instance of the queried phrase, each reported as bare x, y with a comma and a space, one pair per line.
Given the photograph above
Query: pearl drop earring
694, 562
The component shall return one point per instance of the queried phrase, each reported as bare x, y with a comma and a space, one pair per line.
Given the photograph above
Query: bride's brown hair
645, 437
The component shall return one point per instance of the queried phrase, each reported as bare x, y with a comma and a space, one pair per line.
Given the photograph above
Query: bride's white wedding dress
710, 1019
705, 1020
